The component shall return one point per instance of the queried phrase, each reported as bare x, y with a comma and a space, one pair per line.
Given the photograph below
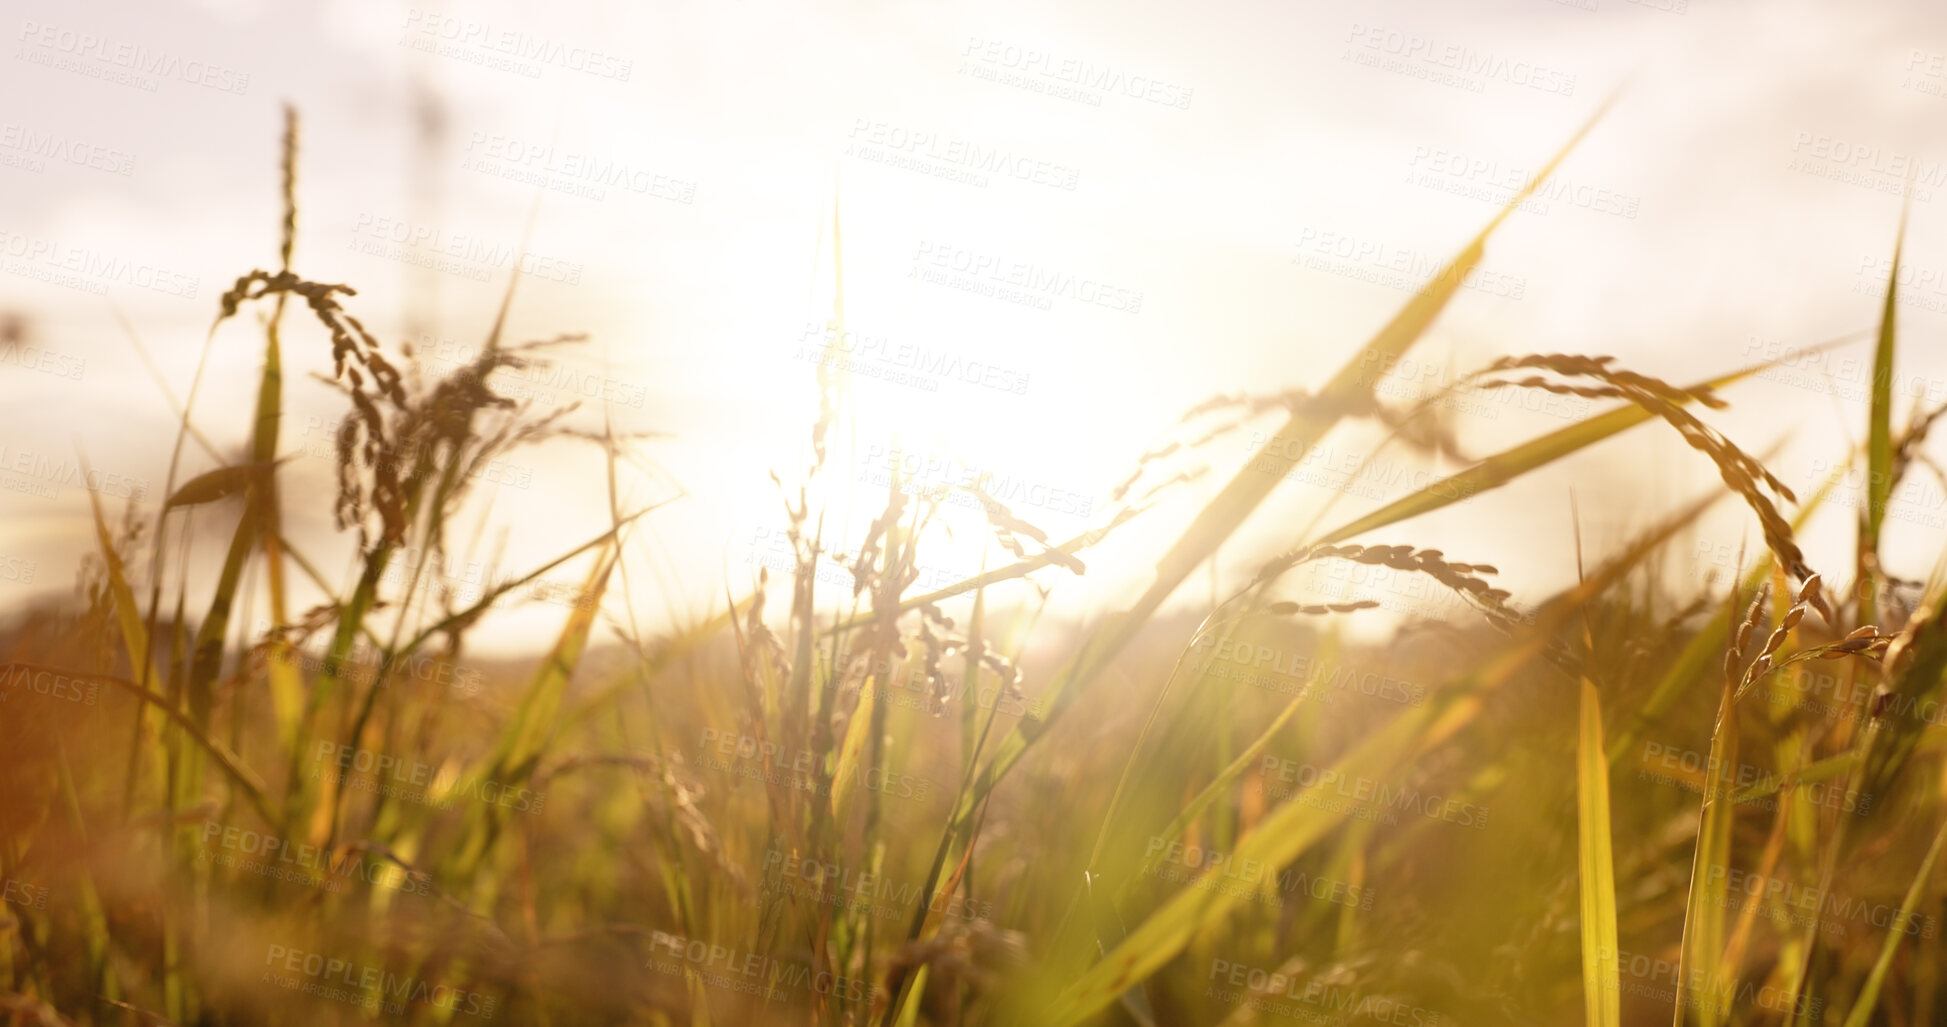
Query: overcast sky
1061, 225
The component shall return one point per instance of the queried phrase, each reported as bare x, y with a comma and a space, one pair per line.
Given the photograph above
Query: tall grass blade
1862, 1007
1601, 985
1879, 432
1507, 465
534, 720
846, 772
1703, 925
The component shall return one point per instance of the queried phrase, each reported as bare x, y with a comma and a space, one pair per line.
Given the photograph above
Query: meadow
1655, 796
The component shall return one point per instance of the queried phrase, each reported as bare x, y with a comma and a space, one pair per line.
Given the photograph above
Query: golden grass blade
1601, 985
221, 483
135, 637
1505, 466
1862, 1008
1879, 431
1291, 829
1703, 924
206, 660
909, 1014
488, 598
286, 684
858, 735
1218, 786
534, 720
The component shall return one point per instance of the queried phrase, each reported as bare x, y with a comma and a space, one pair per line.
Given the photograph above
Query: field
845, 798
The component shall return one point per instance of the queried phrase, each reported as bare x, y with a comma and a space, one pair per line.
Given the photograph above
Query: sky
1054, 228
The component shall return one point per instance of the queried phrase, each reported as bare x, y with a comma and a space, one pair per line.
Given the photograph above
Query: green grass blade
1703, 924
1879, 433
858, 735
1601, 986
909, 1013
1292, 828
1862, 1008
534, 721
1217, 787
1507, 465
135, 637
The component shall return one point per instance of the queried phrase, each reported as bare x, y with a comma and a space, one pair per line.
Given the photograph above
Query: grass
1633, 801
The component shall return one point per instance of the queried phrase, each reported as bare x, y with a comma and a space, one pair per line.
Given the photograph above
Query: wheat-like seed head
1744, 474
